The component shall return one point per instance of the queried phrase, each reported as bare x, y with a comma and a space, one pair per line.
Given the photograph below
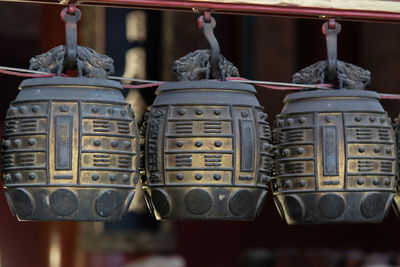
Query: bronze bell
69, 150
335, 153
207, 151
207, 144
335, 158
70, 144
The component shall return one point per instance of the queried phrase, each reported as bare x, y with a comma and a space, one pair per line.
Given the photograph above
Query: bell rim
330, 93
78, 81
205, 85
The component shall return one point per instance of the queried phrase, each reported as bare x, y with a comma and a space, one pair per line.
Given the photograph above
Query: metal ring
201, 22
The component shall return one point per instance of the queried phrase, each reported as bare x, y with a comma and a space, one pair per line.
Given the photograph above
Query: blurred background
143, 45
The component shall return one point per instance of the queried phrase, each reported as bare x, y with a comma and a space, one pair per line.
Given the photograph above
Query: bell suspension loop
331, 29
205, 64
340, 74
207, 23
71, 56
71, 15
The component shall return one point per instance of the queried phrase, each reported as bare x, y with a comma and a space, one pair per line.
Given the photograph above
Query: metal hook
331, 29
207, 23
71, 15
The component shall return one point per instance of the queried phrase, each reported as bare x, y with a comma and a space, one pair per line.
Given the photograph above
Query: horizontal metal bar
386, 11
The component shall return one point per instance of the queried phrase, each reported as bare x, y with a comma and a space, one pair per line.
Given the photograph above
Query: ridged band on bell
207, 151
70, 150
335, 158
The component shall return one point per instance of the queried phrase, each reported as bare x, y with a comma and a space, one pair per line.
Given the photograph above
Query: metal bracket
207, 23
71, 15
331, 29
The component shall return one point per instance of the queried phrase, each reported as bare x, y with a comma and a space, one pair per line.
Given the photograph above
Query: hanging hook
71, 15
331, 29
207, 23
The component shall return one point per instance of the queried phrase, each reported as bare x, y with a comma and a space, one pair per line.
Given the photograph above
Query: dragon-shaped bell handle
71, 56
340, 74
207, 63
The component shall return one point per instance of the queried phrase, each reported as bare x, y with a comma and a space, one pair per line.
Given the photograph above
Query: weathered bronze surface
207, 151
335, 158
70, 150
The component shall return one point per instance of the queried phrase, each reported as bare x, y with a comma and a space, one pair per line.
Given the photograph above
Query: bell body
335, 158
69, 150
206, 151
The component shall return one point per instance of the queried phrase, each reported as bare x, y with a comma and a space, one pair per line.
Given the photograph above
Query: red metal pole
240, 8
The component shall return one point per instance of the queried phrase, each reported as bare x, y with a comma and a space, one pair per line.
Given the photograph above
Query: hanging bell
70, 144
207, 144
335, 153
